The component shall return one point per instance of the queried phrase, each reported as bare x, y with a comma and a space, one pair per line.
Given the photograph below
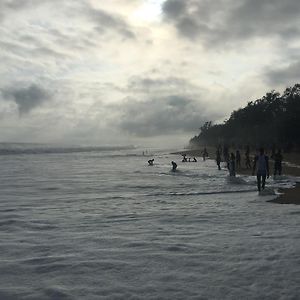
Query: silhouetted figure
194, 160
247, 158
150, 162
226, 154
261, 161
278, 162
232, 165
184, 159
238, 158
189, 159
174, 166
273, 151
218, 158
204, 154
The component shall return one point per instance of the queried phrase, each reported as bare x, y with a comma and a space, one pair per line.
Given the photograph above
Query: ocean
99, 223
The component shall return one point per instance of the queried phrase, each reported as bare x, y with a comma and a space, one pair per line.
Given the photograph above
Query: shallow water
105, 225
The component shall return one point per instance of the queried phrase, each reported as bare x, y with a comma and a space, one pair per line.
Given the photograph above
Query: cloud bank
104, 72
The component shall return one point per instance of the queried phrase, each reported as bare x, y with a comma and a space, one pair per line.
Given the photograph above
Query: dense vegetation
272, 120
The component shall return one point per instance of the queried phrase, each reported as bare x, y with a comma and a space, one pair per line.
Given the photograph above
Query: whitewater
99, 223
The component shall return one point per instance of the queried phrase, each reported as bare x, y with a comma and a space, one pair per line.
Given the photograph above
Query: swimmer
174, 166
150, 162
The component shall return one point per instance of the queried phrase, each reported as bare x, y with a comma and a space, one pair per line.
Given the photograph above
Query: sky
143, 72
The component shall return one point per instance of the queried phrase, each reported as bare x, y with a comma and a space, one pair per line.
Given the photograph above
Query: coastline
288, 196
290, 167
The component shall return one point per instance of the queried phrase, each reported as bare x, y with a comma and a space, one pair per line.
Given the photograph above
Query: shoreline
290, 167
288, 196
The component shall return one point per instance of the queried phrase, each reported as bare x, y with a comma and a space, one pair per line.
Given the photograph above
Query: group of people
185, 159
233, 161
174, 165
260, 163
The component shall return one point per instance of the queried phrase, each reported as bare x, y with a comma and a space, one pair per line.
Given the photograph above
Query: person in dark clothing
273, 150
150, 162
218, 159
247, 160
226, 154
232, 165
204, 154
278, 162
261, 161
174, 166
238, 159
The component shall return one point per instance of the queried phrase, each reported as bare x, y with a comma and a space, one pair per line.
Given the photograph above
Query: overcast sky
138, 71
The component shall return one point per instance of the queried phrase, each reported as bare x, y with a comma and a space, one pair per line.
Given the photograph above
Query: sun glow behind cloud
150, 11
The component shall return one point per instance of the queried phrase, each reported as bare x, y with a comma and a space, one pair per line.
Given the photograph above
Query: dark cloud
30, 51
287, 76
104, 21
162, 115
226, 21
8, 7
146, 84
109, 22
174, 8
17, 4
26, 98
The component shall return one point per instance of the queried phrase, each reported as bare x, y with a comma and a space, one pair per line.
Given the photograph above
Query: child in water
174, 166
150, 162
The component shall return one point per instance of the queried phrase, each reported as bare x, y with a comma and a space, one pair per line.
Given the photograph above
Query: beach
290, 166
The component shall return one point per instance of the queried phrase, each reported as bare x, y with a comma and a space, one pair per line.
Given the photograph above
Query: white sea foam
94, 225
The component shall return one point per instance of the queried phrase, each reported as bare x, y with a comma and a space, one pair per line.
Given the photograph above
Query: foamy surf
82, 226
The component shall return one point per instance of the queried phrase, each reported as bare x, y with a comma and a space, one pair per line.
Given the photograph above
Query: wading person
150, 162
277, 162
218, 159
261, 163
247, 158
238, 159
204, 154
232, 165
174, 166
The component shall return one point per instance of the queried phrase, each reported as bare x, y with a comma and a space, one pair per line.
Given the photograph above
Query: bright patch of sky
149, 11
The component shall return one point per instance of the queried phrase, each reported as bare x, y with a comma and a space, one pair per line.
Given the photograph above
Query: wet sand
289, 196
291, 166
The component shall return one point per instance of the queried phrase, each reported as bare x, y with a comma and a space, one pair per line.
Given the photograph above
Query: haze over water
102, 224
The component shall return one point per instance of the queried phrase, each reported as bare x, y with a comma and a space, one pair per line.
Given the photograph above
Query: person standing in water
218, 159
261, 161
174, 166
277, 162
232, 165
247, 158
204, 154
238, 159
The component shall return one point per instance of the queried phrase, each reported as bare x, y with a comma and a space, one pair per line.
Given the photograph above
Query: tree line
273, 120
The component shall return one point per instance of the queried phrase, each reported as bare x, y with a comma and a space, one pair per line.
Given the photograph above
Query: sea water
94, 223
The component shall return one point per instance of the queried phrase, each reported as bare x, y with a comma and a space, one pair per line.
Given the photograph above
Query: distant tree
273, 119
